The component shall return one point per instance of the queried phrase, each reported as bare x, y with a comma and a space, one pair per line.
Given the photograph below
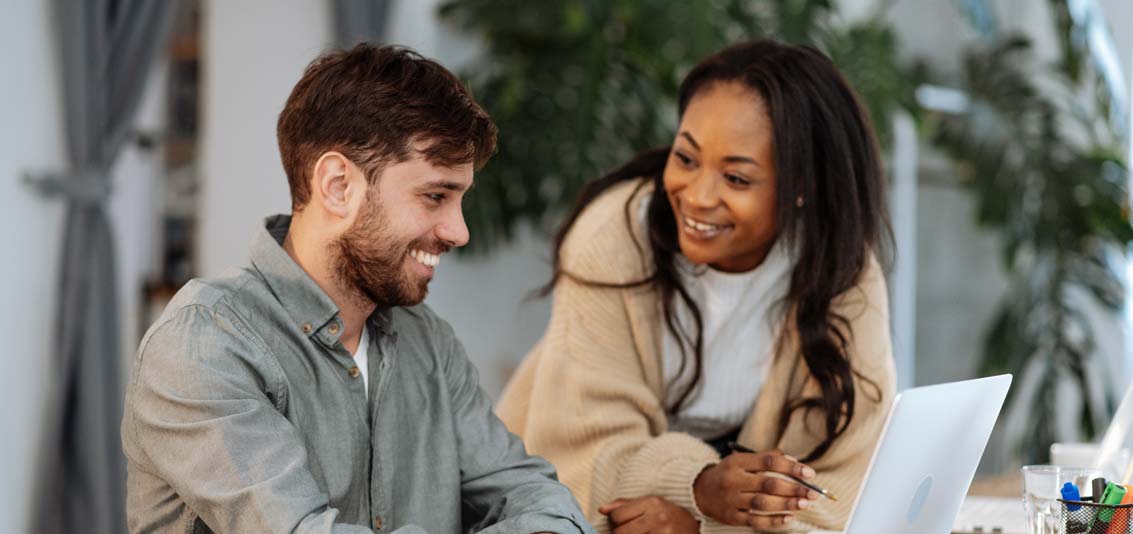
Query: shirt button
306, 328
333, 328
377, 522
354, 372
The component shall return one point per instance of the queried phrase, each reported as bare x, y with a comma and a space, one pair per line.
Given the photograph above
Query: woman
722, 289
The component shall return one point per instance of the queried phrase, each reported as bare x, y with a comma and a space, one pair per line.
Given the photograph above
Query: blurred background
1005, 125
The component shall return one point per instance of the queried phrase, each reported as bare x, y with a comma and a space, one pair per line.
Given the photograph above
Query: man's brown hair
371, 103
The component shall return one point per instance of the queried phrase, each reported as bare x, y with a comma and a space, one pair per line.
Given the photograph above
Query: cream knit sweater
589, 395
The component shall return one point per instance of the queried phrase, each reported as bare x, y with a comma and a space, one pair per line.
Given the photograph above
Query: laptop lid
1114, 452
927, 456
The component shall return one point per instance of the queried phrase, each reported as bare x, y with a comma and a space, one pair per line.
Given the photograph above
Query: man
309, 391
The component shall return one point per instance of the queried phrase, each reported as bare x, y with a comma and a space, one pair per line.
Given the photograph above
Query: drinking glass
1042, 487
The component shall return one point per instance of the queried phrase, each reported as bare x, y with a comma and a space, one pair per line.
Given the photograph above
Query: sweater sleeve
585, 399
592, 413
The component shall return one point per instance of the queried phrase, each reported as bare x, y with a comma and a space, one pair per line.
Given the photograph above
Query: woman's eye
685, 160
736, 179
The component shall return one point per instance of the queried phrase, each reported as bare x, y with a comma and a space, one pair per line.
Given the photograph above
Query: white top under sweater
741, 313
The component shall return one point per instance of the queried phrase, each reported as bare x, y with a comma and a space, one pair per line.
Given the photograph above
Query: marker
1070, 493
1120, 523
1111, 496
740, 448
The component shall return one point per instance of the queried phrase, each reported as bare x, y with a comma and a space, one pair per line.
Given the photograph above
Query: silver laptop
927, 456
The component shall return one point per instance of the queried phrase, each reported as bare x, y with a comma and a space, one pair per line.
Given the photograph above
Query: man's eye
436, 197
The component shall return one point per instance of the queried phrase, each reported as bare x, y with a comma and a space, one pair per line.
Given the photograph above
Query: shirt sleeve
506, 489
201, 414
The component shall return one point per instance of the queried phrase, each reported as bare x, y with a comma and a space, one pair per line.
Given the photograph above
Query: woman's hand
739, 490
649, 514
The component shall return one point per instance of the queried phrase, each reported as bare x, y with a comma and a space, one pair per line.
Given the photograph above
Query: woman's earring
799, 201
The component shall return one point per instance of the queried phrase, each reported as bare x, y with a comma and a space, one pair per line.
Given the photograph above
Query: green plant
1047, 174
578, 86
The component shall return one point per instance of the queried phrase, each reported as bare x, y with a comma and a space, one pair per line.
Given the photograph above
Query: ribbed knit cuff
675, 481
666, 467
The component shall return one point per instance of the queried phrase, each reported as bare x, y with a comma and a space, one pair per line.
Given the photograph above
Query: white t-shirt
742, 314
362, 358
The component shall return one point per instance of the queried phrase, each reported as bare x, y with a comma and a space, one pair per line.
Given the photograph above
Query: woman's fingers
639, 525
611, 506
771, 484
754, 482
763, 502
625, 513
761, 521
774, 485
774, 460
651, 514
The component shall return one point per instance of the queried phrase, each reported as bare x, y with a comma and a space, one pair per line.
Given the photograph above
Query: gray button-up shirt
246, 414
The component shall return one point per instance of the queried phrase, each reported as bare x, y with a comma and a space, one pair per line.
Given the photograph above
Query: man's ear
331, 183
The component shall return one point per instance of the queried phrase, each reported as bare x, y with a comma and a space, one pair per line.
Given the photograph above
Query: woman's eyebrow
729, 159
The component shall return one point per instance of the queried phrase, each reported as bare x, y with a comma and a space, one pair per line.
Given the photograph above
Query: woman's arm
590, 409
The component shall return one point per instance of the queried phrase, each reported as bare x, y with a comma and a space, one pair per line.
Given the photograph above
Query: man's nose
452, 230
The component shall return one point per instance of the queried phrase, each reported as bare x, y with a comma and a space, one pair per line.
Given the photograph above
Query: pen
1099, 485
740, 448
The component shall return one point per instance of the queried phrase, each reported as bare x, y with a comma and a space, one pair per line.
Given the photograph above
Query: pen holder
1087, 517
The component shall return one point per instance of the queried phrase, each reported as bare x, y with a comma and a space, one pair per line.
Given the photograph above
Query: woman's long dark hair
825, 152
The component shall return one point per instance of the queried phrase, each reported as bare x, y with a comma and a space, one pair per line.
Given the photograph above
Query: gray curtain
360, 20
107, 48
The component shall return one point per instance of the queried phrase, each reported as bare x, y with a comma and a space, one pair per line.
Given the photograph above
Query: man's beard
370, 264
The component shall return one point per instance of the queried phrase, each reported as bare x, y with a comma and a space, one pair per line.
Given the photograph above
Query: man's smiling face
411, 216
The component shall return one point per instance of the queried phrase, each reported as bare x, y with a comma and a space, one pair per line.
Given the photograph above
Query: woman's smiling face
720, 179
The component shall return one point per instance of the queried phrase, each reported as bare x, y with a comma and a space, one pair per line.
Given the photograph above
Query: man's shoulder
211, 291
210, 306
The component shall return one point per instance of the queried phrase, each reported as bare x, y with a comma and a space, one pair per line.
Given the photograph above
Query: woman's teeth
425, 258
708, 230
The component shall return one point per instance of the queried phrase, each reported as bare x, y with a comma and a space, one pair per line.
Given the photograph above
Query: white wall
485, 300
31, 138
254, 52
135, 210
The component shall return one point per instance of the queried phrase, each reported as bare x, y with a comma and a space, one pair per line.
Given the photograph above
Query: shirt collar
311, 309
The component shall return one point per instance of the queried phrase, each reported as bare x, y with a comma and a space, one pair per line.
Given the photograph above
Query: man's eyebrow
445, 184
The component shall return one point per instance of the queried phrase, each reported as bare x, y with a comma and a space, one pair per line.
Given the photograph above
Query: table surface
1006, 485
